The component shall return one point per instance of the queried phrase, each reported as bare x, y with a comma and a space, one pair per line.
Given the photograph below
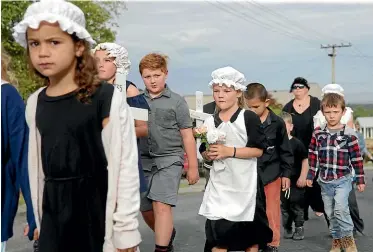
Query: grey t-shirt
168, 114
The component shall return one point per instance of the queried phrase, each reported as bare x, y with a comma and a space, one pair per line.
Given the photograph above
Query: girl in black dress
85, 193
234, 200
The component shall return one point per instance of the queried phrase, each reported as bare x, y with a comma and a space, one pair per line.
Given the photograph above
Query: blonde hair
6, 73
286, 117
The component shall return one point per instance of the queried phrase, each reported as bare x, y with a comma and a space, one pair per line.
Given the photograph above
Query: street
190, 228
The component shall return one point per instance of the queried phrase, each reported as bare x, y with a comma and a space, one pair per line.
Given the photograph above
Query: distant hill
366, 106
362, 110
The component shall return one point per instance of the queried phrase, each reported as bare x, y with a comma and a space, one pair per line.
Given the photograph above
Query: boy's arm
312, 157
190, 147
285, 151
256, 143
356, 159
305, 168
185, 125
18, 143
304, 156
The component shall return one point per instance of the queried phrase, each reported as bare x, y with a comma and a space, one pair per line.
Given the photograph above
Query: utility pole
333, 55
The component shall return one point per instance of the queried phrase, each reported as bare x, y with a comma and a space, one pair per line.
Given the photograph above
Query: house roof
365, 122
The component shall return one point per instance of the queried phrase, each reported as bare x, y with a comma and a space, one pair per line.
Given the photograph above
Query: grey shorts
163, 185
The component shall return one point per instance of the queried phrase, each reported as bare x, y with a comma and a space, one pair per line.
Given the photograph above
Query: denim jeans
335, 196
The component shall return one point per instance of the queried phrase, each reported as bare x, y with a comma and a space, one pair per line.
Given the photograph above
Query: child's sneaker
336, 245
270, 249
298, 234
288, 233
348, 243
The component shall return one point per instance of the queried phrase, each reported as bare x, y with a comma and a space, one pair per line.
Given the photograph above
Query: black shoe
298, 234
170, 245
288, 233
270, 249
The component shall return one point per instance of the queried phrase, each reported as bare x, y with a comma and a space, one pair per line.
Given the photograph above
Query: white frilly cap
70, 18
228, 76
333, 88
118, 52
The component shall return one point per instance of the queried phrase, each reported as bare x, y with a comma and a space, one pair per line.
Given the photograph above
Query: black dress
238, 236
75, 169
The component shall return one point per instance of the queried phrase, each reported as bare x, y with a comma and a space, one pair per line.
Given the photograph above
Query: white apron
231, 190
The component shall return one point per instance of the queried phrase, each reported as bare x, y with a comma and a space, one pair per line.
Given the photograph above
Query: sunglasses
298, 86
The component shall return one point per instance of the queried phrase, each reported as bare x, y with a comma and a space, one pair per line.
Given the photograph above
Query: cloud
201, 36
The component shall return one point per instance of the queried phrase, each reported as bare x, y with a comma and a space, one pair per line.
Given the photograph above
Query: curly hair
154, 61
86, 75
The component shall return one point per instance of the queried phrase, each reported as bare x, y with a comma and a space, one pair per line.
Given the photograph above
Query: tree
275, 105
98, 22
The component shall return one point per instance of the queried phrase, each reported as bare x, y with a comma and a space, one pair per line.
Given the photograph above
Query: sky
270, 43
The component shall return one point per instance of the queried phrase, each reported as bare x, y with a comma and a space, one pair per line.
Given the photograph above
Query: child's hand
36, 234
26, 230
208, 156
285, 183
302, 182
309, 182
361, 187
220, 151
192, 175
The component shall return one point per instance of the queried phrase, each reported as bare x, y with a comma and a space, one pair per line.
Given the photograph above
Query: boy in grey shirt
162, 152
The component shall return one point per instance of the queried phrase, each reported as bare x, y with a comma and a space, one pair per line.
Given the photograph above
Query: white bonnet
333, 88
228, 76
70, 18
118, 52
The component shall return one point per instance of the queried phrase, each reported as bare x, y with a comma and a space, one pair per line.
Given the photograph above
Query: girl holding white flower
234, 200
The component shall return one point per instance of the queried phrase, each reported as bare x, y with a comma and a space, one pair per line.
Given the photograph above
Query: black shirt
277, 158
300, 154
303, 123
75, 169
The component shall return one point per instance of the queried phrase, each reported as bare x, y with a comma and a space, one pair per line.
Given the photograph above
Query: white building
366, 126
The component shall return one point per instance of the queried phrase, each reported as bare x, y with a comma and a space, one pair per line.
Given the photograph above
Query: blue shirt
14, 171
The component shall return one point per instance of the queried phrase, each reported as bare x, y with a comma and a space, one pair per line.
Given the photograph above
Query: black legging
354, 212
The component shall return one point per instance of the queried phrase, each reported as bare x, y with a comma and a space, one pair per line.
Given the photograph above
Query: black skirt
238, 236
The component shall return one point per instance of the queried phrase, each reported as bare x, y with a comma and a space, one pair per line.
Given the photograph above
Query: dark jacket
14, 170
277, 160
209, 108
303, 123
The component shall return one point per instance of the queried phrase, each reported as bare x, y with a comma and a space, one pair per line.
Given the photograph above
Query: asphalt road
190, 228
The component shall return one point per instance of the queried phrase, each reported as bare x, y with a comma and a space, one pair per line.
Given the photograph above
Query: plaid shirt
335, 155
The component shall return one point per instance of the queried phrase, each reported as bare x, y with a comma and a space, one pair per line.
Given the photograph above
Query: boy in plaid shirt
334, 150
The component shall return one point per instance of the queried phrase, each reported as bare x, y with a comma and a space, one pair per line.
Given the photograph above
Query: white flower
214, 136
